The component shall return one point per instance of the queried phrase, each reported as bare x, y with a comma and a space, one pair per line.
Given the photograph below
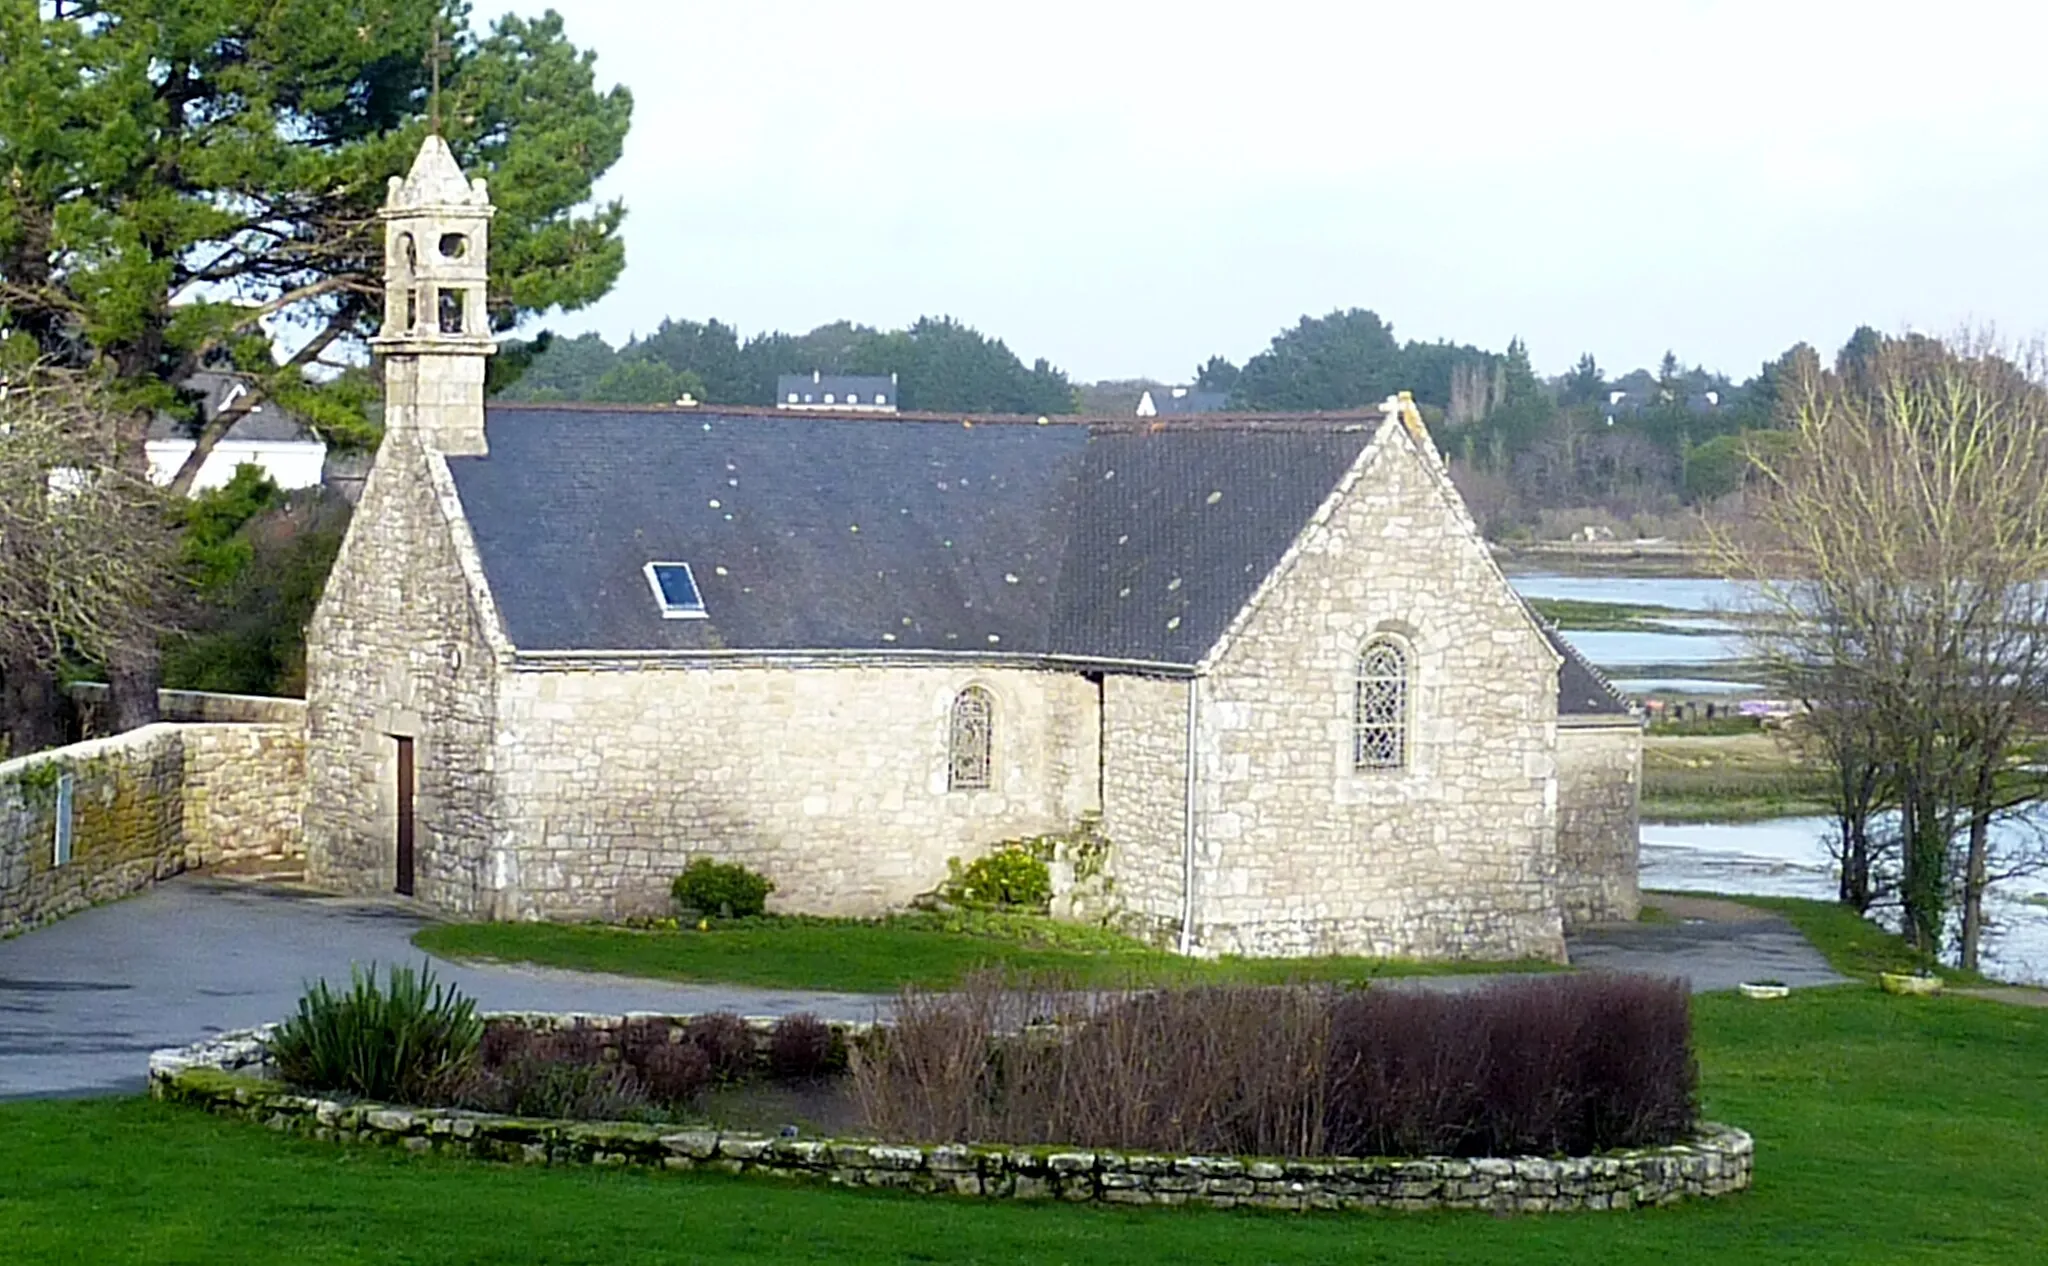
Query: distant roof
266, 422
1169, 402
813, 388
1103, 539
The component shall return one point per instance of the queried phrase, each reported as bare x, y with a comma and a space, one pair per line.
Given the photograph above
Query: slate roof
1181, 401
1106, 540
813, 388
1581, 689
267, 422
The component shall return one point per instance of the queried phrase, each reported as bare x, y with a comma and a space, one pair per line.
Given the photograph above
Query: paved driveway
1713, 944
84, 1001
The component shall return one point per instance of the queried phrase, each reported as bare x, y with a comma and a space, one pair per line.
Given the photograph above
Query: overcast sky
1125, 188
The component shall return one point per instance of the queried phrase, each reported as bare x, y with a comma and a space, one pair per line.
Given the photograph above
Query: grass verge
1587, 615
1745, 777
883, 955
1889, 1130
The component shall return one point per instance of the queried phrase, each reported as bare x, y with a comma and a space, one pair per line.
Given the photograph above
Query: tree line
1668, 440
940, 365
1651, 441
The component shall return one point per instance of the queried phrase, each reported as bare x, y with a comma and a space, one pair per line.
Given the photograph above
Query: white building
266, 437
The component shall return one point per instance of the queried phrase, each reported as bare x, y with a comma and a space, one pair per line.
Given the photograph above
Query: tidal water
1699, 636
1785, 857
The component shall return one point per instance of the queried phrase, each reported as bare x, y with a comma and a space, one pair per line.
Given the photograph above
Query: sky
1127, 188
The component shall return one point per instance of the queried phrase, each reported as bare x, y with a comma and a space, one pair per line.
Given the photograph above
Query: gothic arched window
1379, 714
969, 741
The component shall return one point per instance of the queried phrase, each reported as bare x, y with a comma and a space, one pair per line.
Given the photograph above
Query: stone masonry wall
1717, 1161
1144, 791
398, 647
1599, 779
244, 794
193, 705
1455, 856
829, 779
144, 805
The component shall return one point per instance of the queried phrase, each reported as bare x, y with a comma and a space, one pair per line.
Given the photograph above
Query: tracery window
1379, 717
970, 740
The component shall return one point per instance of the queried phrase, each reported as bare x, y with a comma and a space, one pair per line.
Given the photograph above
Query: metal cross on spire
435, 53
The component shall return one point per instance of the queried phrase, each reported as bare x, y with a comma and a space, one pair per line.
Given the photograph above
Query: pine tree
197, 181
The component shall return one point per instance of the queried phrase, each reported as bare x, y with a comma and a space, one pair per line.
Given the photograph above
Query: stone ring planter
223, 1075
1909, 984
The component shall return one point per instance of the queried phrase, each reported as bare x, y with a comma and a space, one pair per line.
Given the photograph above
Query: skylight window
675, 591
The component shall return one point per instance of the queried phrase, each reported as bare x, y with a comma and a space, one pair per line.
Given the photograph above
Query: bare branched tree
86, 550
1899, 547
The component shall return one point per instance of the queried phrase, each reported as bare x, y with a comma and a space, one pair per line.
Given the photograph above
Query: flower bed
229, 1075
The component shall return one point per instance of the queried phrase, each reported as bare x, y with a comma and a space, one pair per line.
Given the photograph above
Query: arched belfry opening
437, 327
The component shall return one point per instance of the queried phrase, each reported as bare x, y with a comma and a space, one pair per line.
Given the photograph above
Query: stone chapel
565, 650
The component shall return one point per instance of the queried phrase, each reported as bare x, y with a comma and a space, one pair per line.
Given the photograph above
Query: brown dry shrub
727, 1042
800, 1048
672, 1073
1540, 1065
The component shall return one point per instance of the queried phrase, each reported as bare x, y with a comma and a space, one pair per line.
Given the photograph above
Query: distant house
840, 393
266, 436
1175, 401
1639, 391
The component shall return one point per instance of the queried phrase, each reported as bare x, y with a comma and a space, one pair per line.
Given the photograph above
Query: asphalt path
84, 1001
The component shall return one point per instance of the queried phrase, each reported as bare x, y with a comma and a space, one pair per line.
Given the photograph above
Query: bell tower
436, 330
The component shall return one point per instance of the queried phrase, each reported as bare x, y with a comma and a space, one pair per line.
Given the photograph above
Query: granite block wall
143, 806
1599, 784
1453, 855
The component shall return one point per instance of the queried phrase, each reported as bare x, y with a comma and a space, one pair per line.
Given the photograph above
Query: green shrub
1008, 878
726, 889
394, 1040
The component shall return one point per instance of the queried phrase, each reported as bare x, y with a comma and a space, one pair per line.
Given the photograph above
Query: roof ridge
1338, 419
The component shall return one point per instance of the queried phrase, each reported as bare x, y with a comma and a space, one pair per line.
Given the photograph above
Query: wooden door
405, 824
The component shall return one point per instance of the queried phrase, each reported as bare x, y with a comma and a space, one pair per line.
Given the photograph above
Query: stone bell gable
567, 650
402, 650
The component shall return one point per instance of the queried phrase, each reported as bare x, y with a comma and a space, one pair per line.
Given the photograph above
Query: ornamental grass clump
395, 1039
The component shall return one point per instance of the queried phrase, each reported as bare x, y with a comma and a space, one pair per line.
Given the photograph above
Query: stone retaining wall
213, 1075
143, 806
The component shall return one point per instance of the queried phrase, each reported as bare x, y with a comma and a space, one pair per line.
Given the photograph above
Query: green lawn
883, 955
1888, 1130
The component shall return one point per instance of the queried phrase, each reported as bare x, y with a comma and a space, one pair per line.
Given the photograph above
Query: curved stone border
215, 1075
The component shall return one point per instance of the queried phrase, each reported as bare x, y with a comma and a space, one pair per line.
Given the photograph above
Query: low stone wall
143, 806
193, 705
214, 1075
